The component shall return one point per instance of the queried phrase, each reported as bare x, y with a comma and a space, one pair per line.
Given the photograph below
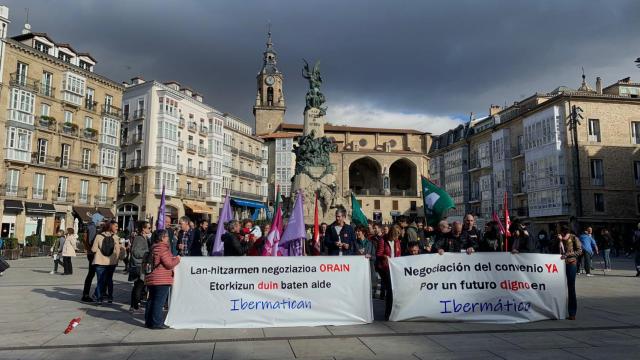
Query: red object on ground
72, 324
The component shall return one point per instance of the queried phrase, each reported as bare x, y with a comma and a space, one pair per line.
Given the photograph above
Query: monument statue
314, 97
314, 173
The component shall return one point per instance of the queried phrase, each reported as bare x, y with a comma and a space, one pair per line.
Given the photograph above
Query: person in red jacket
160, 280
388, 248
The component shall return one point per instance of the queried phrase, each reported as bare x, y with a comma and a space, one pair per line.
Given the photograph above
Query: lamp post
573, 122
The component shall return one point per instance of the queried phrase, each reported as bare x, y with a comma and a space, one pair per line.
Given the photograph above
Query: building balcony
404, 193
102, 200
48, 91
90, 134
13, 191
248, 155
61, 197
138, 115
69, 129
474, 197
192, 194
520, 212
202, 151
110, 110
203, 130
191, 171
47, 123
365, 192
90, 105
203, 173
517, 151
83, 199
24, 82
520, 189
39, 194
597, 181
193, 127
180, 144
180, 169
135, 164
191, 148
56, 162
246, 195
134, 189
181, 123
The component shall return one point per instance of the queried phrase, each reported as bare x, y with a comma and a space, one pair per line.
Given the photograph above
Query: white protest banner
269, 291
481, 287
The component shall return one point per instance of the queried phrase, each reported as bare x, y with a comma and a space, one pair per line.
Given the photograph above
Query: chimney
137, 80
599, 85
494, 109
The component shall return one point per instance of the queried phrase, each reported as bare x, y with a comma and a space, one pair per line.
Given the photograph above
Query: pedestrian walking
589, 248
56, 252
606, 245
88, 240
107, 253
160, 280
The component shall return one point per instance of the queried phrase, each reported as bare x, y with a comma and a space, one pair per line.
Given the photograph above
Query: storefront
36, 218
248, 209
197, 211
9, 216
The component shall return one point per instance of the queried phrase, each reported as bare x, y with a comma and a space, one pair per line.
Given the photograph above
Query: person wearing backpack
139, 248
107, 252
159, 279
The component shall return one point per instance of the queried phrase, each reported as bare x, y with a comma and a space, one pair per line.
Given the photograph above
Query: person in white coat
69, 250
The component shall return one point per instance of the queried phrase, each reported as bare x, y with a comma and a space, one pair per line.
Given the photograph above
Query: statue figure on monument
314, 97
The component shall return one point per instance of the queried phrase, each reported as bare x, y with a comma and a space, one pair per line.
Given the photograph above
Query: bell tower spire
270, 107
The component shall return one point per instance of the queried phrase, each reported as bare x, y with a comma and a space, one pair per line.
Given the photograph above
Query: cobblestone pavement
37, 306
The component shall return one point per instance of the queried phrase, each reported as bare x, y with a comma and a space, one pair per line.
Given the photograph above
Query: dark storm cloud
439, 58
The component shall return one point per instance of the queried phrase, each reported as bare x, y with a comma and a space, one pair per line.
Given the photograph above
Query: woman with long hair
390, 247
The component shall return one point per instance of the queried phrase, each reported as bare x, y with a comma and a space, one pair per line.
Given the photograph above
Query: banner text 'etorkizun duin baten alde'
243, 292
495, 287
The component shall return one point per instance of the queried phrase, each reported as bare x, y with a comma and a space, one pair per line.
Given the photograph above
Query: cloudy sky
412, 64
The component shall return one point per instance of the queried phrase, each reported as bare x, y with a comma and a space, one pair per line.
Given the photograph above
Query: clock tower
269, 107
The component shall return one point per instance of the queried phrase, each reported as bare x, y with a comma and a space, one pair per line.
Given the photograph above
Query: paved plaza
36, 308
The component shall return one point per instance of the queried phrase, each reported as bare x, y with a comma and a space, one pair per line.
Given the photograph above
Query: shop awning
248, 203
39, 208
84, 213
197, 207
61, 208
13, 206
107, 213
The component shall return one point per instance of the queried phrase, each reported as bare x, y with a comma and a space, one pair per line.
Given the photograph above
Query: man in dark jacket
187, 245
444, 239
410, 233
470, 236
234, 243
340, 236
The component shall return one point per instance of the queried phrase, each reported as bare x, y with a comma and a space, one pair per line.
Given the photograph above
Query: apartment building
61, 132
170, 139
245, 168
549, 171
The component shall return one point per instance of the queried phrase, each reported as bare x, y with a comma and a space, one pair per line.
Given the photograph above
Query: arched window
365, 177
403, 178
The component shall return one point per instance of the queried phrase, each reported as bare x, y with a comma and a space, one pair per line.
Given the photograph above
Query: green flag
357, 216
436, 202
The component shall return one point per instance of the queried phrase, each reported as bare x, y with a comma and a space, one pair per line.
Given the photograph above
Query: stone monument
314, 172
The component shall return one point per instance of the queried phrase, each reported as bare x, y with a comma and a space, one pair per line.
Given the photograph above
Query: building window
19, 144
638, 203
42, 151
64, 155
88, 122
68, 117
62, 187
38, 186
594, 130
21, 106
109, 131
394, 205
636, 172
86, 159
376, 204
597, 174
84, 192
104, 190
108, 162
414, 206
635, 132
13, 180
47, 81
598, 202
45, 109
42, 47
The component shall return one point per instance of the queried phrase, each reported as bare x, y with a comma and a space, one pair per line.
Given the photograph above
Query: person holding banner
388, 248
471, 236
492, 238
160, 280
444, 239
569, 247
366, 248
340, 237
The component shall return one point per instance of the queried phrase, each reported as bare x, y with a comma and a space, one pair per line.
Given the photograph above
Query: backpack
148, 263
108, 246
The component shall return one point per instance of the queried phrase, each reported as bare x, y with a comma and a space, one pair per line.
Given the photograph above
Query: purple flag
225, 216
294, 234
161, 212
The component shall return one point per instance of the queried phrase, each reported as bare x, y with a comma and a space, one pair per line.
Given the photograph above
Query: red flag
495, 218
316, 231
507, 222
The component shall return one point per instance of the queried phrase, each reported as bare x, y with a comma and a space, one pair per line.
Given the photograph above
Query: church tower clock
269, 107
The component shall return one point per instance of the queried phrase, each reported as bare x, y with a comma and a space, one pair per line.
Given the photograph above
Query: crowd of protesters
150, 256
